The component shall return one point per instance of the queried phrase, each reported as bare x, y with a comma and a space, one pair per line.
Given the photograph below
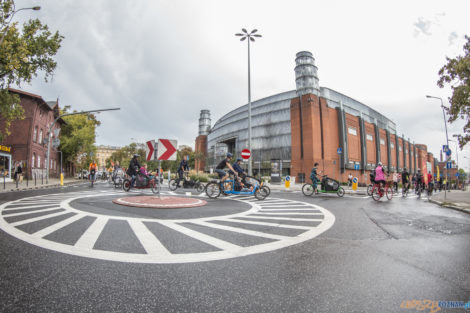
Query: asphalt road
73, 250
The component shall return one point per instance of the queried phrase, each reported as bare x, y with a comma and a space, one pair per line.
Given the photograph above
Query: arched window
40, 137
33, 164
39, 161
35, 135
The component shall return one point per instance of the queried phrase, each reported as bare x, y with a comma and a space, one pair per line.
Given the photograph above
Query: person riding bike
181, 169
241, 174
430, 182
219, 169
92, 168
314, 177
419, 180
380, 176
405, 180
134, 166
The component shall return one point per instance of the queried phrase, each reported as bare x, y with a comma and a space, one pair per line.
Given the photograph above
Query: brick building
27, 141
312, 124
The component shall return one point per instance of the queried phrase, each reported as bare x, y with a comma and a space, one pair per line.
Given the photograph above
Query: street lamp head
243, 38
428, 96
253, 31
257, 35
252, 39
36, 8
244, 30
238, 34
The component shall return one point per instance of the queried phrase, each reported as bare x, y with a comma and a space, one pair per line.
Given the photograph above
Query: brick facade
25, 140
200, 147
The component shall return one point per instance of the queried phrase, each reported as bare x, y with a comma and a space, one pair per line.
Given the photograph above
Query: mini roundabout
170, 228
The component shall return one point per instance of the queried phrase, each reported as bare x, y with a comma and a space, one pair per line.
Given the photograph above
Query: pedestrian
314, 177
395, 181
350, 177
18, 176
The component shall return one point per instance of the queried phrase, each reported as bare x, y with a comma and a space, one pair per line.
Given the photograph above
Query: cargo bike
231, 186
327, 185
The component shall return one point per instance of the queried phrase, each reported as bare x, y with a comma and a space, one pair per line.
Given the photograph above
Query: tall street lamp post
49, 134
36, 8
244, 35
447, 139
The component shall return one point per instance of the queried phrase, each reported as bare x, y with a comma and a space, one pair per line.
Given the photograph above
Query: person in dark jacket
181, 169
134, 167
314, 177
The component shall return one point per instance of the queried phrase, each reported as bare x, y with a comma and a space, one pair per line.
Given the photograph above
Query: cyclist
92, 168
314, 177
405, 180
219, 169
134, 166
181, 168
241, 174
419, 180
380, 176
430, 182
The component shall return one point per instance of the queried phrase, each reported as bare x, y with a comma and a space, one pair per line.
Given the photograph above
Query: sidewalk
53, 182
298, 187
456, 199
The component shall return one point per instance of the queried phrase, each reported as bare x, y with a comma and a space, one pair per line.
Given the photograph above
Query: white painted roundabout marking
306, 219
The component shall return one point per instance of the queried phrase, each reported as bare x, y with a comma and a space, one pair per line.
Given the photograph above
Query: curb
453, 207
41, 187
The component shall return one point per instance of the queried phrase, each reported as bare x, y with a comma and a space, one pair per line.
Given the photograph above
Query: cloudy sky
162, 62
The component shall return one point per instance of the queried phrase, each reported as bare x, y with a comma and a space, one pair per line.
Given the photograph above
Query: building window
399, 148
382, 142
392, 145
352, 131
369, 137
39, 161
33, 160
35, 134
40, 137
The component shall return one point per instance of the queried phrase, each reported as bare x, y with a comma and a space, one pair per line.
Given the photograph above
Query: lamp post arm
50, 133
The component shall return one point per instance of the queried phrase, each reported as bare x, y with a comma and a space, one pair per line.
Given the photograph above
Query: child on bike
314, 177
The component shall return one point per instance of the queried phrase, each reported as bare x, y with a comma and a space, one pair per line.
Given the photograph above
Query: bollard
34, 179
27, 177
61, 179
4, 182
16, 182
42, 179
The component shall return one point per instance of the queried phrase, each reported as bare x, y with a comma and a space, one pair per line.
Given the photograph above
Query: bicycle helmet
380, 163
229, 155
136, 155
239, 159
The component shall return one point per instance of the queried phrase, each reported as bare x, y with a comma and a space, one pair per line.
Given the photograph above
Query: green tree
456, 73
77, 138
24, 52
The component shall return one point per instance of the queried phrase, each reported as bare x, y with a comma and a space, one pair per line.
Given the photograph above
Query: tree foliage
456, 73
24, 53
77, 137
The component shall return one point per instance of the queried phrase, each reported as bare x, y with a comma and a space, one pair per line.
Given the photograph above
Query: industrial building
292, 130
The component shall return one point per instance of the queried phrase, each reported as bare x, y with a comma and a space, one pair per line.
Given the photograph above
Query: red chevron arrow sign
150, 150
166, 149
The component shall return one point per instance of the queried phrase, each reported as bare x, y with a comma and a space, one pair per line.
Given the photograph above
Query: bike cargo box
330, 184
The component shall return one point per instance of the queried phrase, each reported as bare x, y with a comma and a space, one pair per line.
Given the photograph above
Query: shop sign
5, 148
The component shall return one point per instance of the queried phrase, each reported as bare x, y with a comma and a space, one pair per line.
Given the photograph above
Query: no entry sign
246, 154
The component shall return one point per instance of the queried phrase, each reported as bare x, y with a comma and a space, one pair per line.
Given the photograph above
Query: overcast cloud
162, 62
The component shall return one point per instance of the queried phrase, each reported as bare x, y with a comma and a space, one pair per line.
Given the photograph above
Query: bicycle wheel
156, 187
261, 194
126, 185
172, 185
340, 192
213, 190
268, 189
307, 189
388, 193
118, 182
375, 194
370, 188
200, 187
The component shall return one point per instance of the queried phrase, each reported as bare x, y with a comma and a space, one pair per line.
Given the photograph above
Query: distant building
27, 143
294, 129
103, 153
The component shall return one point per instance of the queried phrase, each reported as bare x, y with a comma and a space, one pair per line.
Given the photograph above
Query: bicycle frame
232, 191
